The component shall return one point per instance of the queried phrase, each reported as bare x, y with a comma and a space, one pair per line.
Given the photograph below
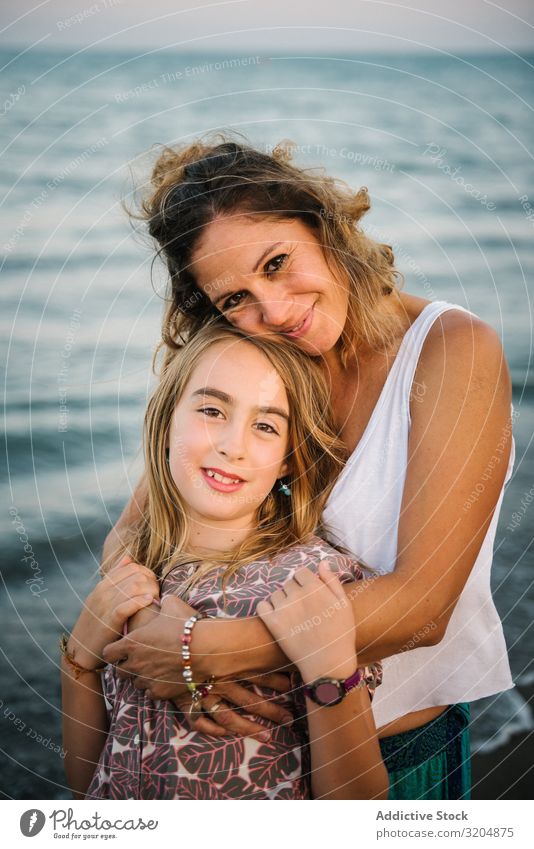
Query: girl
421, 396
240, 456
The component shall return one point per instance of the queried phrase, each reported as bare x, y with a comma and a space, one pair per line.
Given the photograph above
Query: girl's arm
346, 762
123, 592
85, 726
85, 720
345, 753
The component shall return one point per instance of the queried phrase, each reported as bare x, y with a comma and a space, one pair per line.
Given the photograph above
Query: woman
421, 396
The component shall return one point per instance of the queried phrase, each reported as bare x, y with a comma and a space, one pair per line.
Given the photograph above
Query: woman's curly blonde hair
193, 184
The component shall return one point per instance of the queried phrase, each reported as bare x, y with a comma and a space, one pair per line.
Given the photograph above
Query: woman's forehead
235, 243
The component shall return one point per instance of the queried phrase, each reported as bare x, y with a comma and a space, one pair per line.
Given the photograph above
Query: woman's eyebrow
227, 399
265, 253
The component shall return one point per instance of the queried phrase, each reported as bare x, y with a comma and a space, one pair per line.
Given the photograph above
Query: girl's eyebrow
227, 399
224, 295
215, 393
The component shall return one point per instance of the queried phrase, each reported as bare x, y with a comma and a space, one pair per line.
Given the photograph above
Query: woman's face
268, 276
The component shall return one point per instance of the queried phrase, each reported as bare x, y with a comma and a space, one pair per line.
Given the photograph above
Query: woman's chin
317, 344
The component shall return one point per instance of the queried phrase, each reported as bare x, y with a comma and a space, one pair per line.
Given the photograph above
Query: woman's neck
396, 306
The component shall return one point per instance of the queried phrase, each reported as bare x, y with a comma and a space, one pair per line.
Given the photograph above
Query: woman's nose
276, 312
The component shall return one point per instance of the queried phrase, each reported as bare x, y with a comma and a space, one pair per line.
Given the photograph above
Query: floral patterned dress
152, 753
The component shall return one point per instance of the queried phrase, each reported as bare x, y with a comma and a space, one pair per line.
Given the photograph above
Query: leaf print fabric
152, 753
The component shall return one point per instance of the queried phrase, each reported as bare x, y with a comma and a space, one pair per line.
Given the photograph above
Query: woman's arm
346, 762
458, 455
116, 542
460, 439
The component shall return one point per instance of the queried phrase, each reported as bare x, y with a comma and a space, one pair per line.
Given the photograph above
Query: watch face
328, 692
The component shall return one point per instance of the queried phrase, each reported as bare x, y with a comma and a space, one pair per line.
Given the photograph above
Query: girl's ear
284, 470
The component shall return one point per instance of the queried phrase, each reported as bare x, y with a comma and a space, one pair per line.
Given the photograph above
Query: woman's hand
219, 718
312, 621
151, 655
125, 589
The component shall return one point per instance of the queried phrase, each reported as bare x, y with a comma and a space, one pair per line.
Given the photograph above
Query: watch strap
342, 685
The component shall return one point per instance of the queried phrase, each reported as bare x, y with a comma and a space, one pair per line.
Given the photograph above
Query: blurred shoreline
515, 758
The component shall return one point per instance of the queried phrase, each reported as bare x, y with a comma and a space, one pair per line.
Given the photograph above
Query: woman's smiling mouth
303, 327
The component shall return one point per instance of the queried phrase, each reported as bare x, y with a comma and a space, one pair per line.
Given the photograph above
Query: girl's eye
234, 300
278, 262
266, 428
212, 412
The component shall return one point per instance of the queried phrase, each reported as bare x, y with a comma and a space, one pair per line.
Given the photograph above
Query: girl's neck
205, 540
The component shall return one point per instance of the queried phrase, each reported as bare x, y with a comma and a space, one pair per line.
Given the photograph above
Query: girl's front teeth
220, 478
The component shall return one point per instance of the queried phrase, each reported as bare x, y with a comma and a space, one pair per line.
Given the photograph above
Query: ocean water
443, 144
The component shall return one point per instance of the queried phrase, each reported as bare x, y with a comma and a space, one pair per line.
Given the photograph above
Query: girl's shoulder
315, 549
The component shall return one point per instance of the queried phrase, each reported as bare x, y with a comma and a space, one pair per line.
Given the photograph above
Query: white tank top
362, 514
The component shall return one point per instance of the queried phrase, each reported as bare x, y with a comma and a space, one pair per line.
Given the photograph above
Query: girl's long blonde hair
192, 184
315, 456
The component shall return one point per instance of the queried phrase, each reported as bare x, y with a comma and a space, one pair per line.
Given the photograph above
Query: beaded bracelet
197, 693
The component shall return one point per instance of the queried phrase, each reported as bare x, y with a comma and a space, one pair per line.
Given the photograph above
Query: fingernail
287, 717
264, 736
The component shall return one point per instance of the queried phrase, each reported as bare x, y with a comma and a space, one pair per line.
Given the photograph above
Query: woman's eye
234, 300
278, 262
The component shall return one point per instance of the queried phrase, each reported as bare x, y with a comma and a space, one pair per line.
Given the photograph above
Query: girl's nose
231, 444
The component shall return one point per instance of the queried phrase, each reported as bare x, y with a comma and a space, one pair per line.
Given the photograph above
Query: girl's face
229, 435
270, 276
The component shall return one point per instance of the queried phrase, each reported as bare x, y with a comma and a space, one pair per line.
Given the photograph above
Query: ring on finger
217, 706
193, 709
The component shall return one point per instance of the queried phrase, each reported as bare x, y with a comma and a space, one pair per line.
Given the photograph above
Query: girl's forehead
240, 370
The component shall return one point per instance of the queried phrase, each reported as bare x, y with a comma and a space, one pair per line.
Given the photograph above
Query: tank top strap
409, 352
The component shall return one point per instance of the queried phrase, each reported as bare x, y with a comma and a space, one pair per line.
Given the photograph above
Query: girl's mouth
220, 481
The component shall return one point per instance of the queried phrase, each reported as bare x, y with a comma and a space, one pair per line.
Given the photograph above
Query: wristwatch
331, 691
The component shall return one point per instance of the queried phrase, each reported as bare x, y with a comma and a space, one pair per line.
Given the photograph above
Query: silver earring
284, 488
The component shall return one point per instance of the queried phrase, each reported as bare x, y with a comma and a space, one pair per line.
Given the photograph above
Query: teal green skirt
432, 761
